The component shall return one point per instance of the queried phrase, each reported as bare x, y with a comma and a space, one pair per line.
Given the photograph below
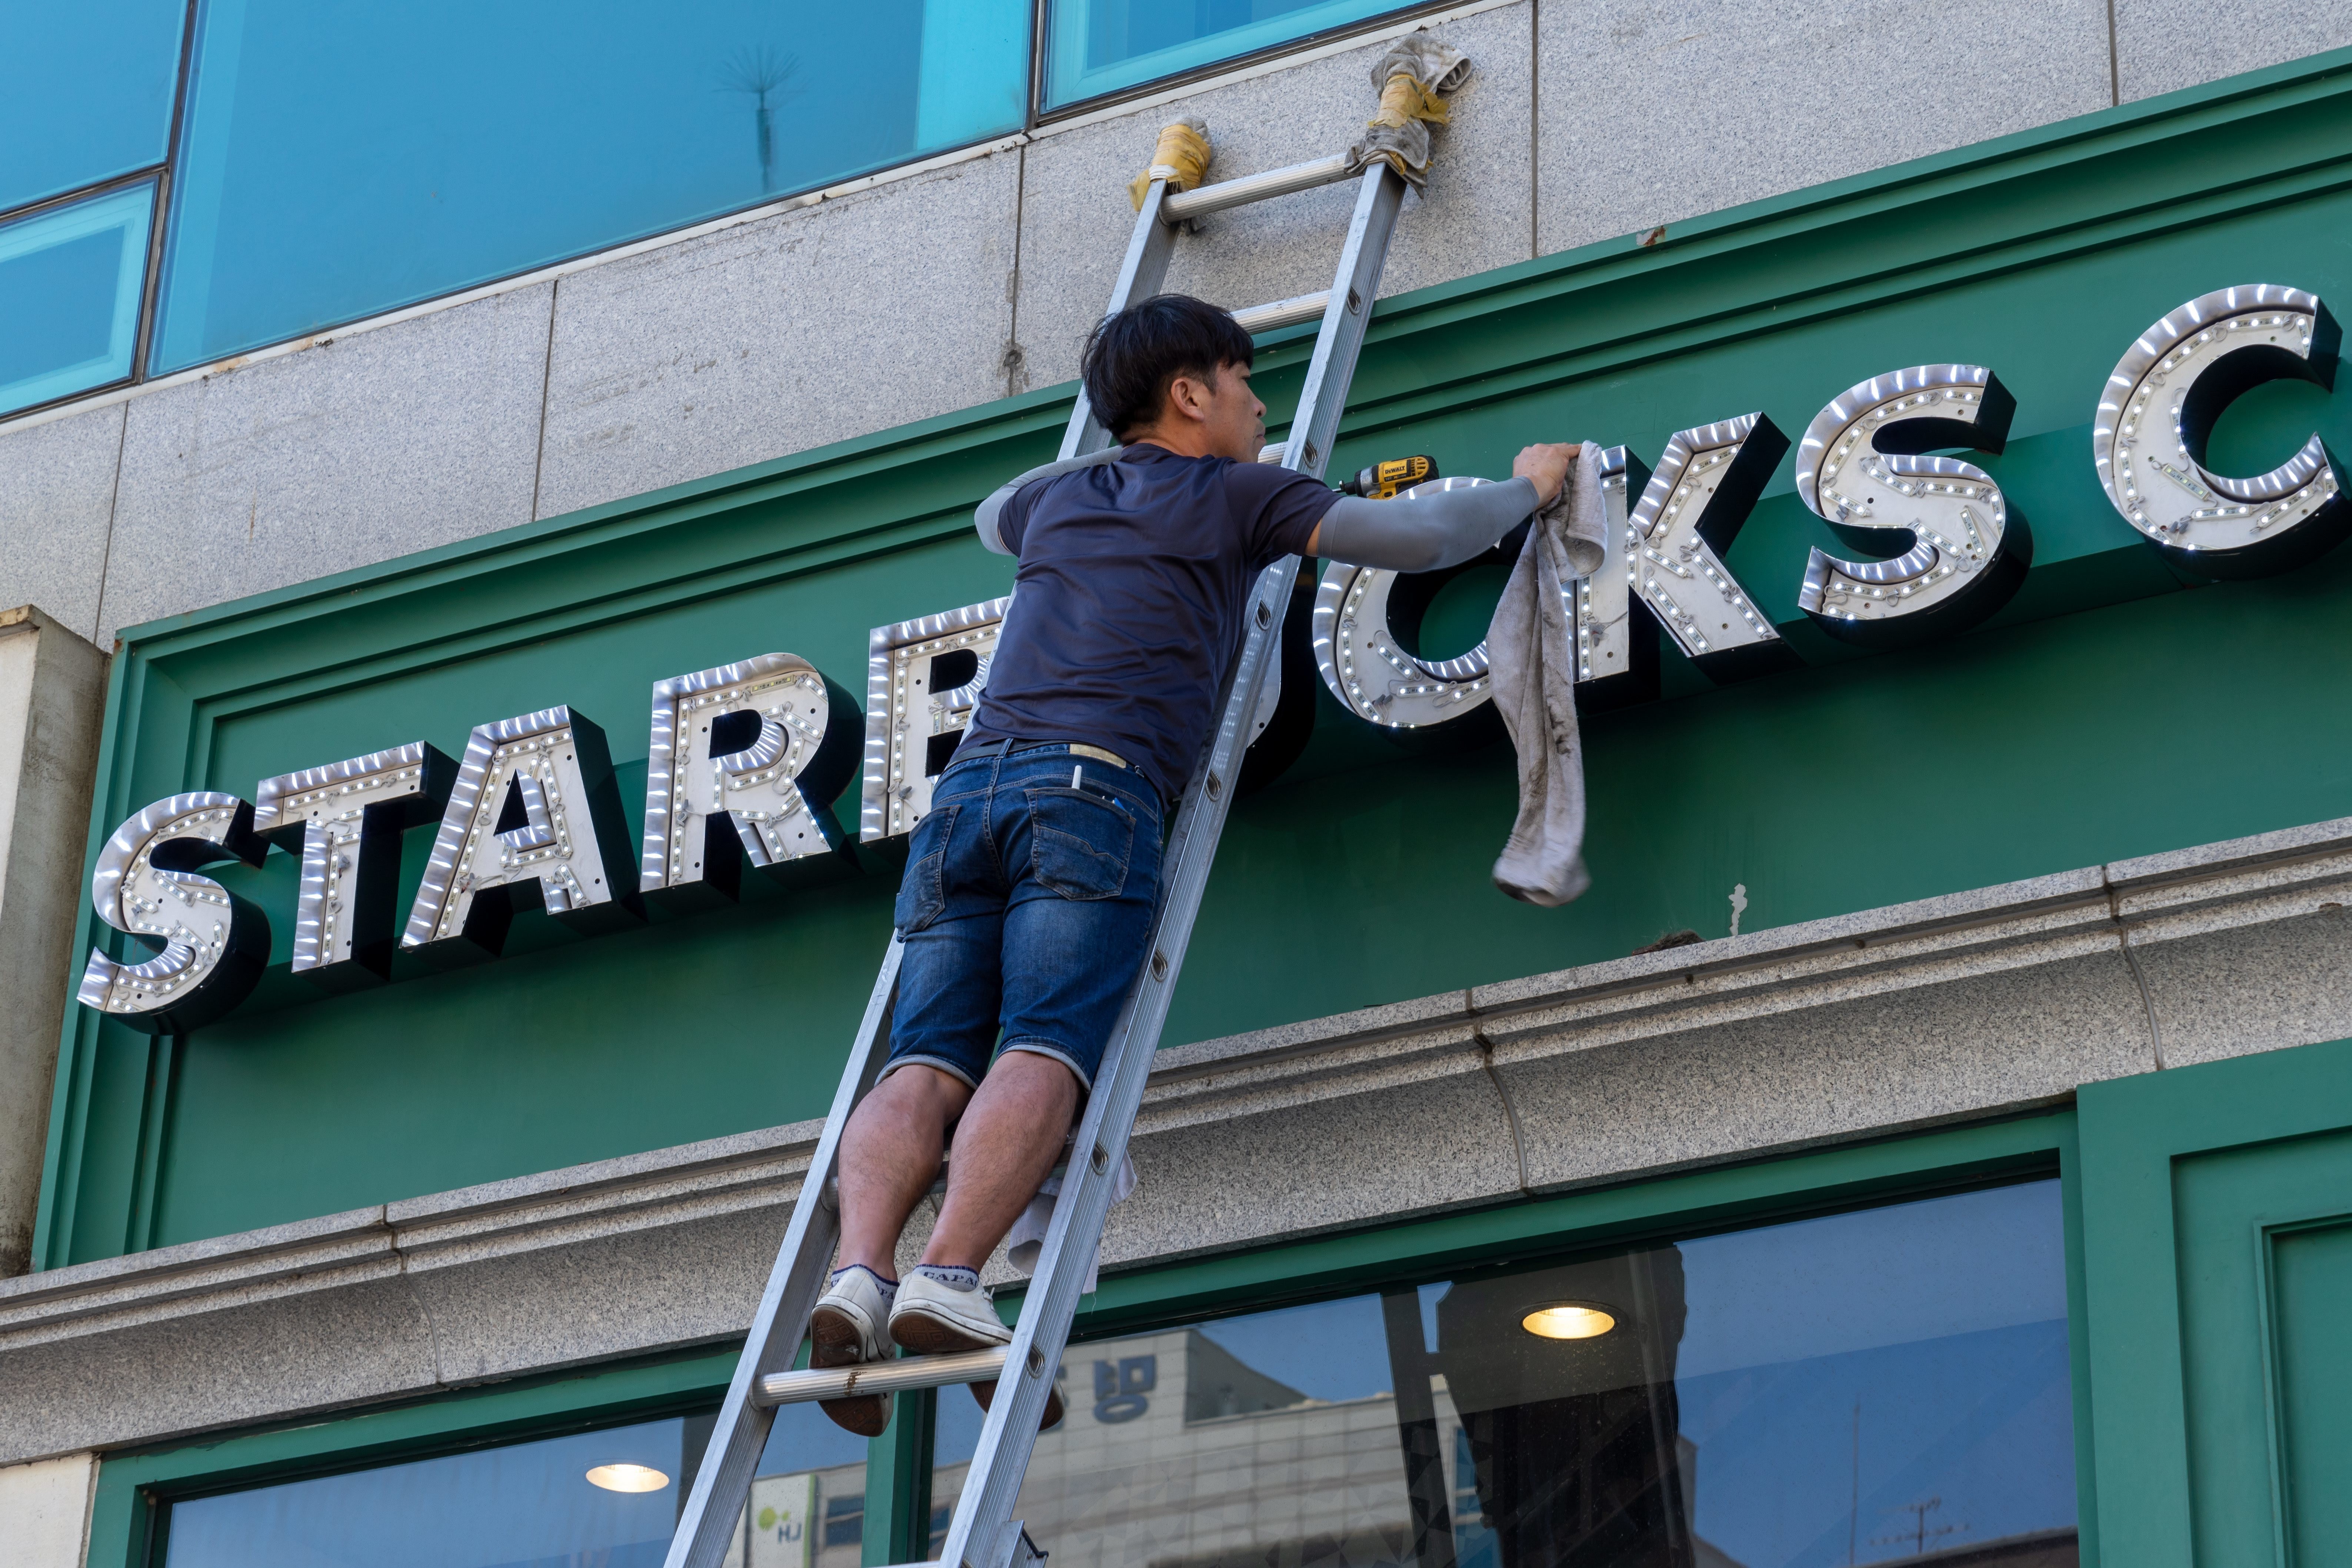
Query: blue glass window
590, 1500
1094, 46
71, 278
1862, 1388
85, 93
452, 143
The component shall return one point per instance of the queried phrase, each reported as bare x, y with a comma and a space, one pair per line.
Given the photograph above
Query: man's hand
1546, 463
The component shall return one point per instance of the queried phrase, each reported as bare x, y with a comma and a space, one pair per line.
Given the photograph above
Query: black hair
1130, 358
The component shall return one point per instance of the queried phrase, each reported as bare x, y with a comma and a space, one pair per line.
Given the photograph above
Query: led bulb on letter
2158, 413
345, 821
1616, 641
743, 766
1367, 639
533, 823
1957, 548
1704, 486
923, 680
214, 944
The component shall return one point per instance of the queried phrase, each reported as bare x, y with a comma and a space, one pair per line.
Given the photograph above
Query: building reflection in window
1884, 1386
607, 1499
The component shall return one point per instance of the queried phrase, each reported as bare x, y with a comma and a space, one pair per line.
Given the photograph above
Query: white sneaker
932, 1319
847, 1329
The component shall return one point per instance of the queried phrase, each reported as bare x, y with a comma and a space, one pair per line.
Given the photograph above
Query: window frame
153, 177
1041, 115
158, 221
1036, 117
135, 1486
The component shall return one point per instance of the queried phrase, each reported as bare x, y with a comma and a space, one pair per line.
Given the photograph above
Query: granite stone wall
922, 292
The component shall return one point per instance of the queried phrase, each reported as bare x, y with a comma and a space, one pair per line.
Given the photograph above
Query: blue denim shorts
1027, 902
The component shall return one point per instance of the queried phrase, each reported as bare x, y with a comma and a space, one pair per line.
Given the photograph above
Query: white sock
889, 1287
953, 1279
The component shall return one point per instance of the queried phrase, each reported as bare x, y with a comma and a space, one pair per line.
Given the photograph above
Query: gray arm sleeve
984, 517
1424, 533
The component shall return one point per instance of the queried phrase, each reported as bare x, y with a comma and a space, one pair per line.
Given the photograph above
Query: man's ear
1183, 398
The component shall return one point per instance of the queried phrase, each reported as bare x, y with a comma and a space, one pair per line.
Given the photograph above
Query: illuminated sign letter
923, 680
2158, 413
1705, 484
345, 820
533, 822
1959, 547
214, 944
744, 764
1367, 639
1616, 641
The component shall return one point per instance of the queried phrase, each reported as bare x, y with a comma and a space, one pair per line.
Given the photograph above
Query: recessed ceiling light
1568, 1320
627, 1478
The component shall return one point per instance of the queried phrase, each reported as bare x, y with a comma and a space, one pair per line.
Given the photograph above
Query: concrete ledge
1975, 1004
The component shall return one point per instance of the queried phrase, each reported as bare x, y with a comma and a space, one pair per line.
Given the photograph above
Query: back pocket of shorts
923, 893
1079, 842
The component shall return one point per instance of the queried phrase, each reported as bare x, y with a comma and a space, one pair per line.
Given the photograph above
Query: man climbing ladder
1129, 675
1030, 885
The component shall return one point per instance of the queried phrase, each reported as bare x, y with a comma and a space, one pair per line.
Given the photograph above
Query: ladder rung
1283, 312
1251, 189
879, 1377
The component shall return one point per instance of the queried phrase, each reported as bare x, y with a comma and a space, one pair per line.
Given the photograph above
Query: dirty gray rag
1531, 653
1027, 1241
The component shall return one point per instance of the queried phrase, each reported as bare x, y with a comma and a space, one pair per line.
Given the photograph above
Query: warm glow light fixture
627, 1478
1568, 1320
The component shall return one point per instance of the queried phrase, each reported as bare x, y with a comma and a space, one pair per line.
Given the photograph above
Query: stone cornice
1971, 1005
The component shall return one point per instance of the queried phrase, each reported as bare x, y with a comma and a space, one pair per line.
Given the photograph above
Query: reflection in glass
71, 278
85, 93
808, 1497
1094, 46
456, 144
524, 1503
592, 1499
1885, 1385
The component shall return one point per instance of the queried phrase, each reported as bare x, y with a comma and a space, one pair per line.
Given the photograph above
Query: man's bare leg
1005, 1145
889, 1158
1010, 1136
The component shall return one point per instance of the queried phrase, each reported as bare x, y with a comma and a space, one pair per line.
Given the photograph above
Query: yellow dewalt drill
1382, 480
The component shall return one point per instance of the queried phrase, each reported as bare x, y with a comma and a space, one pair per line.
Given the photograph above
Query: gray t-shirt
1133, 579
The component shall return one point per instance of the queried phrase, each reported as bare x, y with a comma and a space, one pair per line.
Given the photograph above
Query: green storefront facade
2117, 708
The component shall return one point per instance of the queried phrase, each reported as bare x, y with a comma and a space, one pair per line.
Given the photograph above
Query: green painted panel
2108, 713
2010, 753
2233, 1323
1362, 873
2198, 1184
688, 1028
2312, 1279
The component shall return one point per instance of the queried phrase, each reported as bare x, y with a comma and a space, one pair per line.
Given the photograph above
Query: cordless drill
1382, 480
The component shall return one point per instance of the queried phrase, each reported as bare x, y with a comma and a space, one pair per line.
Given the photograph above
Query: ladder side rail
1140, 275
711, 1518
983, 1513
1000, 1459
1379, 196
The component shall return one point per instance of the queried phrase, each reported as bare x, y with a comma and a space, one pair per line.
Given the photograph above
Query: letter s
214, 944
1960, 549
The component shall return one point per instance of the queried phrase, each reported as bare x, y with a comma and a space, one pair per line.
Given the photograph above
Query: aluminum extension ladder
983, 1532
